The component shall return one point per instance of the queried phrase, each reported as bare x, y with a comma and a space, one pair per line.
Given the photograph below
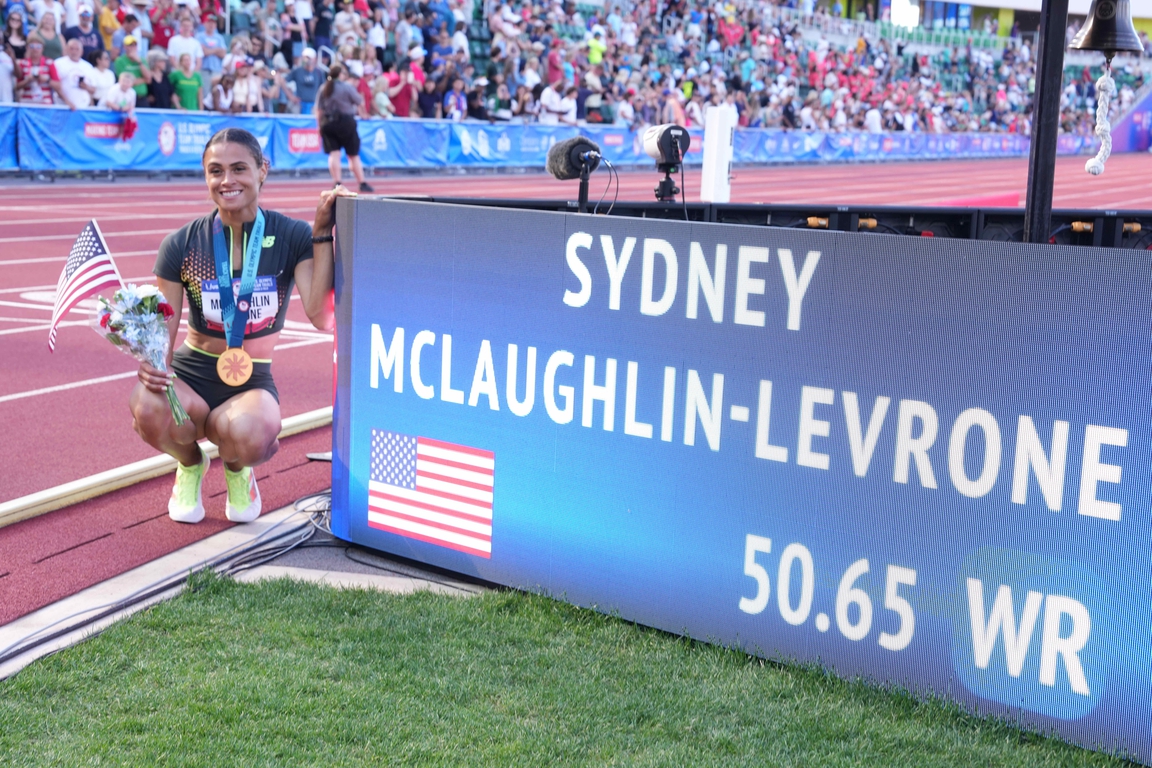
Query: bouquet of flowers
135, 319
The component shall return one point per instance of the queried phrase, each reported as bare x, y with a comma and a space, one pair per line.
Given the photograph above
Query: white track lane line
48, 326
124, 217
61, 259
63, 387
129, 233
53, 286
126, 375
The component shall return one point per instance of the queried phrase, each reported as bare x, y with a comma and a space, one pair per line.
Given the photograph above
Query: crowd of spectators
626, 63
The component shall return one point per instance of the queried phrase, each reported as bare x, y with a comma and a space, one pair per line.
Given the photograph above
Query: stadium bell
1108, 28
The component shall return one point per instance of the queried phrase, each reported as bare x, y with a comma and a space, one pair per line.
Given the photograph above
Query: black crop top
186, 257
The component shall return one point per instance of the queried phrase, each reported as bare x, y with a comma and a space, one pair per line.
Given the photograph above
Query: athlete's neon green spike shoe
186, 504
243, 496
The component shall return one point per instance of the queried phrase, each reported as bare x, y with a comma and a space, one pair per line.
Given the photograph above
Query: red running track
65, 415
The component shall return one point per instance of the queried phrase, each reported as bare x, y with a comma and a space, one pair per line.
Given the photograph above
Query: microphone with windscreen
574, 158
568, 159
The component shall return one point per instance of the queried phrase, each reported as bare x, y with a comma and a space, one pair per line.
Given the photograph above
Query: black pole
582, 201
1045, 121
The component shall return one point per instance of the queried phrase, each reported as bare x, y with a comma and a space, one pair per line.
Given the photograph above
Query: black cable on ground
230, 563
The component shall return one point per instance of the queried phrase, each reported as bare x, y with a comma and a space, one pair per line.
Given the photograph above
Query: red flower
104, 320
166, 310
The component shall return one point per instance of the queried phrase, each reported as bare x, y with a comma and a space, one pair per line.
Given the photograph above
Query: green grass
288, 674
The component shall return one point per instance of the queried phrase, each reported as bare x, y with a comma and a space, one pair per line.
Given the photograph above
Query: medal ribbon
235, 313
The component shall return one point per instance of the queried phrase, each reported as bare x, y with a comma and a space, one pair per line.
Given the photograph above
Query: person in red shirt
163, 18
556, 61
400, 90
36, 78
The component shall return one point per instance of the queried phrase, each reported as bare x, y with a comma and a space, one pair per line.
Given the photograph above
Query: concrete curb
41, 502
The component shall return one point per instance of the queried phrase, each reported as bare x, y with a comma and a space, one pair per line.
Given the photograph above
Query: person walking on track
237, 266
336, 110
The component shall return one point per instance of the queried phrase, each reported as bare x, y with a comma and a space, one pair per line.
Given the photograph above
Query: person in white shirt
460, 43
568, 106
7, 77
75, 75
41, 7
102, 78
143, 33
122, 96
185, 43
551, 104
625, 112
72, 13
873, 120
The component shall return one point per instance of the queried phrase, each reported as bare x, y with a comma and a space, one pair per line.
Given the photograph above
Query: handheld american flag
89, 270
432, 491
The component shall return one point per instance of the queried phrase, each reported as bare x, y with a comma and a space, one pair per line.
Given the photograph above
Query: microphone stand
582, 201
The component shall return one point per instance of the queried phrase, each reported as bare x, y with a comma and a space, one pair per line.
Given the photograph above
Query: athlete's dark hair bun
236, 136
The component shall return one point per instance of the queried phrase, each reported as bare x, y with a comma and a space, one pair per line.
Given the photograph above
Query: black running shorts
339, 132
198, 370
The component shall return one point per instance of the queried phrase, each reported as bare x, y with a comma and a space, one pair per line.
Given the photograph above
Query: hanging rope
1105, 90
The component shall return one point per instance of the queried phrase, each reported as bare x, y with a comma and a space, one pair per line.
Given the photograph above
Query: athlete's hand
154, 380
322, 224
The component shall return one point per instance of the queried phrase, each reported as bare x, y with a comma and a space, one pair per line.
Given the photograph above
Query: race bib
261, 314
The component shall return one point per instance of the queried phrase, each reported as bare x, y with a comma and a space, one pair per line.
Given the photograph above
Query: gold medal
234, 367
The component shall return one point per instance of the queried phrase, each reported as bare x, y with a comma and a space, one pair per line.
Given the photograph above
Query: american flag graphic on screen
432, 491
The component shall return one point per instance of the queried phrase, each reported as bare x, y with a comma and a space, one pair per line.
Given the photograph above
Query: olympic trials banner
926, 462
52, 139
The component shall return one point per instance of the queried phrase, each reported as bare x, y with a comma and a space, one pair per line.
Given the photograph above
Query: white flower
144, 291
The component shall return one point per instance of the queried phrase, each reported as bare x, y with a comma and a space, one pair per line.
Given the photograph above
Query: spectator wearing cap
127, 29
596, 48
143, 31
247, 91
109, 21
131, 61
347, 25
306, 80
416, 54
186, 43
213, 45
36, 76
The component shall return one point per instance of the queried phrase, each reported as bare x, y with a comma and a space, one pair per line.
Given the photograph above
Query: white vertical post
719, 134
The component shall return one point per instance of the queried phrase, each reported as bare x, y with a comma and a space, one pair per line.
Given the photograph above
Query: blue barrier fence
57, 139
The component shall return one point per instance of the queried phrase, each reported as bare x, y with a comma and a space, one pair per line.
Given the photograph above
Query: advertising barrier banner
52, 139
88, 140
925, 462
8, 160
383, 144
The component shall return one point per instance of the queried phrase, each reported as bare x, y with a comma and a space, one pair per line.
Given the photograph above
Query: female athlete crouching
223, 372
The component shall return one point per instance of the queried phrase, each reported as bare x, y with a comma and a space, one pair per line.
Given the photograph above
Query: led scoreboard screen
924, 462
